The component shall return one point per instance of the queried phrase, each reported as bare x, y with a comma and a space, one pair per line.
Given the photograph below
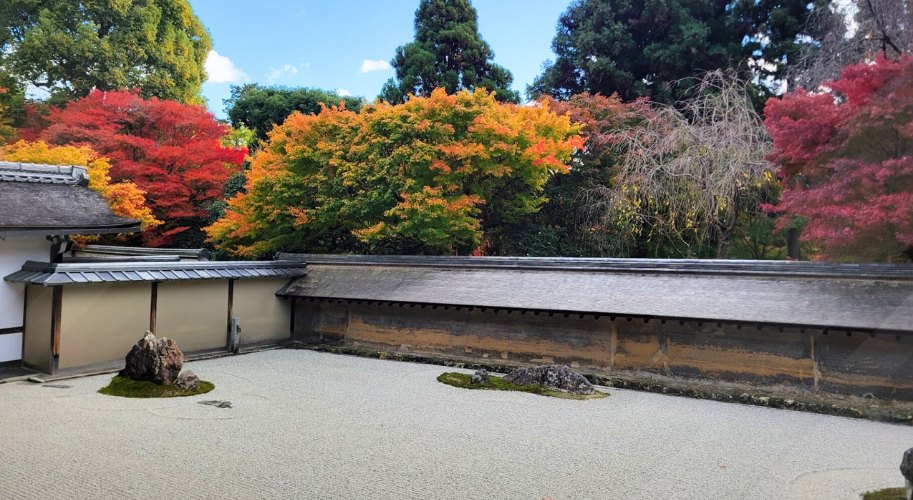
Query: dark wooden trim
153, 306
9, 331
56, 307
231, 304
291, 326
25, 314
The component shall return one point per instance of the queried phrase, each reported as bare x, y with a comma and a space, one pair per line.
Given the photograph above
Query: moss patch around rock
886, 494
464, 380
129, 388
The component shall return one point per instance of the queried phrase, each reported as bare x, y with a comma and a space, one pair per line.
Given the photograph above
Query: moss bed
129, 388
886, 494
464, 381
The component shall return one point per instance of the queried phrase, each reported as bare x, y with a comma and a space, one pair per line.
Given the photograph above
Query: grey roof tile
48, 199
832, 296
171, 270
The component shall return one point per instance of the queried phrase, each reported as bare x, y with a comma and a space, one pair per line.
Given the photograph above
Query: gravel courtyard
313, 425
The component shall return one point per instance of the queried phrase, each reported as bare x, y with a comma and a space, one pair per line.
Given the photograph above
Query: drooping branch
688, 171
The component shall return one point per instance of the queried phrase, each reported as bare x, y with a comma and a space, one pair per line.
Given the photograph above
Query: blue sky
345, 44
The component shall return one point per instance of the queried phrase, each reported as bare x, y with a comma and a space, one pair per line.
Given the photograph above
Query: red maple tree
845, 158
172, 151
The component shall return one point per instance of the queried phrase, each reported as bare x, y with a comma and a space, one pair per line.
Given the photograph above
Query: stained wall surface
881, 364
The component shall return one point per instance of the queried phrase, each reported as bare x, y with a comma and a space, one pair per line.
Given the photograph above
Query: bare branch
882, 27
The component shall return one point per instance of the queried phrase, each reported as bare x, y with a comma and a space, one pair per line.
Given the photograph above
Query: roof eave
132, 227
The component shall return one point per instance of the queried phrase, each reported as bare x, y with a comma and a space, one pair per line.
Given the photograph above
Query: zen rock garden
559, 381
153, 369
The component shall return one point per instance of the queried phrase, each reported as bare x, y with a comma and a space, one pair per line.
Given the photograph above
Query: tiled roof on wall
851, 296
42, 273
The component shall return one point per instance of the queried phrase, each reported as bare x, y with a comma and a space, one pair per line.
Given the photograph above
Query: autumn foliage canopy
845, 158
172, 151
430, 175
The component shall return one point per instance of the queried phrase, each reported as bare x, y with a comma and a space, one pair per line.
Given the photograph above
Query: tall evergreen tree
642, 47
448, 52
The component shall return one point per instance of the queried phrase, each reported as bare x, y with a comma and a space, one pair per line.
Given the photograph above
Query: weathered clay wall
100, 321
38, 328
193, 313
816, 360
263, 316
93, 325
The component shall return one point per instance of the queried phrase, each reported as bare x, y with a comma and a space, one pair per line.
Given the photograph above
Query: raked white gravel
311, 425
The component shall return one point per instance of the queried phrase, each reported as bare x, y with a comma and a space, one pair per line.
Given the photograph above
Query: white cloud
221, 69
343, 93
369, 65
287, 70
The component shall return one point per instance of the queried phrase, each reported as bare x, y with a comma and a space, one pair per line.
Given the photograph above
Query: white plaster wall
14, 251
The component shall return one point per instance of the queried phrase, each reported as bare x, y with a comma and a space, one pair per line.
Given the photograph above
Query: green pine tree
641, 48
447, 52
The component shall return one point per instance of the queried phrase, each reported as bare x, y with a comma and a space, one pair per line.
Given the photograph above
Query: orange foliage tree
432, 175
125, 199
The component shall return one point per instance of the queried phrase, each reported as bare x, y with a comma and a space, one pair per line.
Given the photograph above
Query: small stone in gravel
561, 377
217, 403
479, 377
187, 380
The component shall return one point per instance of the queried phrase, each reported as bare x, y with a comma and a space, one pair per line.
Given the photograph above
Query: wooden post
153, 306
231, 304
291, 327
613, 344
56, 306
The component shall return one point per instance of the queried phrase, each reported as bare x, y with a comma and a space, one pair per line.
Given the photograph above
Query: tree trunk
724, 246
792, 244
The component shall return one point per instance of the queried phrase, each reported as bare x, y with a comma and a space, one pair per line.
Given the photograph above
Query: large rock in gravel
156, 360
906, 468
561, 377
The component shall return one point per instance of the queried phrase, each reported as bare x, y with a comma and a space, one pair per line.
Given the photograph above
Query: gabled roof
846, 296
50, 199
101, 271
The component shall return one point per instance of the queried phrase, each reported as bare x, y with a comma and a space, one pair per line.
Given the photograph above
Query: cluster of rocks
159, 361
559, 377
